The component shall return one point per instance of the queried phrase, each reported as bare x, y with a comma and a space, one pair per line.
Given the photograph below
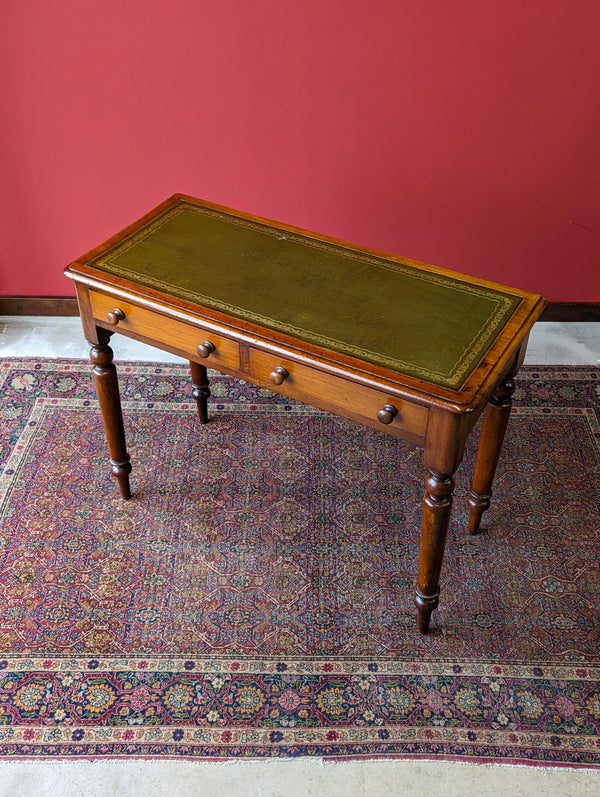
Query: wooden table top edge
462, 400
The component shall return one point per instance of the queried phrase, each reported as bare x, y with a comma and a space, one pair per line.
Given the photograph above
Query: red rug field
254, 598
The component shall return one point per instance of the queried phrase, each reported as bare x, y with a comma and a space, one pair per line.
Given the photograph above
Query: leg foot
107, 388
493, 428
200, 389
436, 516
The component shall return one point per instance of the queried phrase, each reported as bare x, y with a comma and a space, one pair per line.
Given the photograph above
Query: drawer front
349, 398
174, 334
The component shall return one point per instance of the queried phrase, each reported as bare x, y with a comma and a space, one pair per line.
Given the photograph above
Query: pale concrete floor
26, 336
550, 343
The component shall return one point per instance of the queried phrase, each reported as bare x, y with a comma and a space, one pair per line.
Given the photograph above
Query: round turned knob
205, 349
115, 316
278, 375
387, 414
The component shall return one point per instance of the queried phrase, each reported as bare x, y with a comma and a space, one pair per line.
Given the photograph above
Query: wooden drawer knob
387, 414
205, 349
278, 375
115, 316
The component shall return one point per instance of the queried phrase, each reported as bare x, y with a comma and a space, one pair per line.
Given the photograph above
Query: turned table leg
493, 428
200, 389
107, 388
437, 507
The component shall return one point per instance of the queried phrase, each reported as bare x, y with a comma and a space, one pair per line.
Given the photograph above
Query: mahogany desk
404, 347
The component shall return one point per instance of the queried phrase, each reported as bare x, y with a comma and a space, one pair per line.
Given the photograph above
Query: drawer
339, 394
159, 329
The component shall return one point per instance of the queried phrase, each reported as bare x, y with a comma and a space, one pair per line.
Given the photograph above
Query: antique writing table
403, 347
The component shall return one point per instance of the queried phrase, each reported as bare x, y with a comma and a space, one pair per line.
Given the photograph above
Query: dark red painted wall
462, 133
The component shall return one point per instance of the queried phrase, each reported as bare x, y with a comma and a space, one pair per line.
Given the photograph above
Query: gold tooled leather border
502, 305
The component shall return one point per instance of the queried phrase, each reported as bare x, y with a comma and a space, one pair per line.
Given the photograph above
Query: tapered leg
107, 388
200, 389
493, 428
436, 516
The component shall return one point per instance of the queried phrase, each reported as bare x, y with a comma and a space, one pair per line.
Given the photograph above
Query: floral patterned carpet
254, 598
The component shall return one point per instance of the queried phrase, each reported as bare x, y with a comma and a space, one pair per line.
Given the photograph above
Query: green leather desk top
420, 323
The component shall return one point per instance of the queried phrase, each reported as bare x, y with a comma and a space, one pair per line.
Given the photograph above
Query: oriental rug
254, 598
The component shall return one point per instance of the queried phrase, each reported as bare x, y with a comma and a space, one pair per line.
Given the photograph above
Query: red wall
463, 133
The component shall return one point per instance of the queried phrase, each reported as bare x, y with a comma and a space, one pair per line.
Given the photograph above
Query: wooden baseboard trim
571, 311
38, 305
50, 305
